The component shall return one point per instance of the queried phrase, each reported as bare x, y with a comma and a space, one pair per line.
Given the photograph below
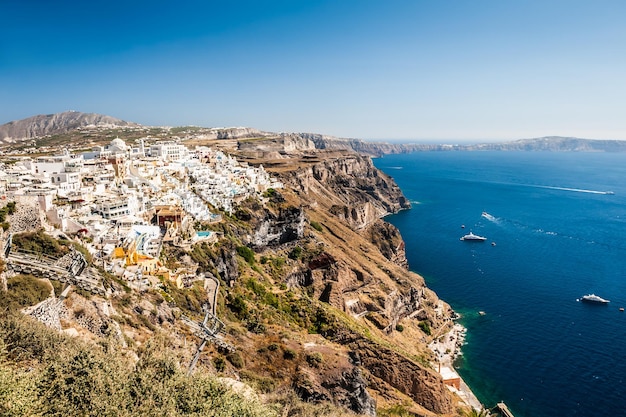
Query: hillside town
123, 202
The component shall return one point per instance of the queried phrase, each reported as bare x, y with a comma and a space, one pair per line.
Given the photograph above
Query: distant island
548, 143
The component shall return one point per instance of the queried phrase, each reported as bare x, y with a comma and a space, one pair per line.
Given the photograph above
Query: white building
113, 208
169, 151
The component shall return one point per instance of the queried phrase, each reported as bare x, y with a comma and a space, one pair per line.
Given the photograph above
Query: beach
446, 348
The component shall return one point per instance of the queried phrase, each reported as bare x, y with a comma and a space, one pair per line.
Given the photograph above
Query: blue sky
413, 69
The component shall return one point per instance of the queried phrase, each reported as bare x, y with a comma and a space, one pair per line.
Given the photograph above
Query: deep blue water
537, 348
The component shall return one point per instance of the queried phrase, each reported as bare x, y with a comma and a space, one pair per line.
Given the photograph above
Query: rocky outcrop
339, 285
332, 283
399, 306
345, 387
351, 187
388, 240
51, 124
286, 226
236, 132
419, 382
226, 265
277, 146
359, 216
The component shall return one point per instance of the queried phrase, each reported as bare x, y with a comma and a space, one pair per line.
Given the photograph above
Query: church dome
119, 144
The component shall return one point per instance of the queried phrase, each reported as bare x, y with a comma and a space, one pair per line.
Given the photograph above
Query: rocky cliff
548, 143
348, 186
355, 263
275, 147
369, 148
326, 263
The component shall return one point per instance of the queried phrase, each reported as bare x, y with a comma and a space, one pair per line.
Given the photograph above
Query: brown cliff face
344, 385
279, 146
389, 241
417, 381
362, 271
350, 187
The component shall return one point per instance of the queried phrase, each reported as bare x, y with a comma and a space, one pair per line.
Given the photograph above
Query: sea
555, 224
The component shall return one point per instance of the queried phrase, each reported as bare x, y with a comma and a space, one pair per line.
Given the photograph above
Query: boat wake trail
576, 190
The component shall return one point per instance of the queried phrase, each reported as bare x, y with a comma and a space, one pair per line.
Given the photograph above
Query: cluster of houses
124, 202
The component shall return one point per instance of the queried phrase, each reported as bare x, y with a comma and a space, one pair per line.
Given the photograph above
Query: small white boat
472, 236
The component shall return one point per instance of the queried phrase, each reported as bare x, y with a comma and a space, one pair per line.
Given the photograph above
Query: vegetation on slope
284, 306
45, 373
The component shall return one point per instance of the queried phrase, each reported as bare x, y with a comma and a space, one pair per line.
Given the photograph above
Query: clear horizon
412, 70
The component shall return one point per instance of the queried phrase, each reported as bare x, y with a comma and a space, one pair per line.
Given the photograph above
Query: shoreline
446, 348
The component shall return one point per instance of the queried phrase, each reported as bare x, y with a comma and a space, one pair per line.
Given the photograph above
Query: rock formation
284, 227
350, 186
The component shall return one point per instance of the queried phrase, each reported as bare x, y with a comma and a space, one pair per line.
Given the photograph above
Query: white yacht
592, 298
472, 236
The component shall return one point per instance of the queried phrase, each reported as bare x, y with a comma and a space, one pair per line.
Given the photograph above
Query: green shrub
39, 242
256, 287
271, 299
219, 363
262, 384
425, 326
235, 359
397, 410
8, 209
316, 226
278, 262
289, 354
23, 291
295, 253
314, 359
399, 328
246, 253
126, 300
254, 325
238, 306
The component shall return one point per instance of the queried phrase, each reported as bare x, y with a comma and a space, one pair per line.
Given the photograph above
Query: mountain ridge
57, 123
68, 121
